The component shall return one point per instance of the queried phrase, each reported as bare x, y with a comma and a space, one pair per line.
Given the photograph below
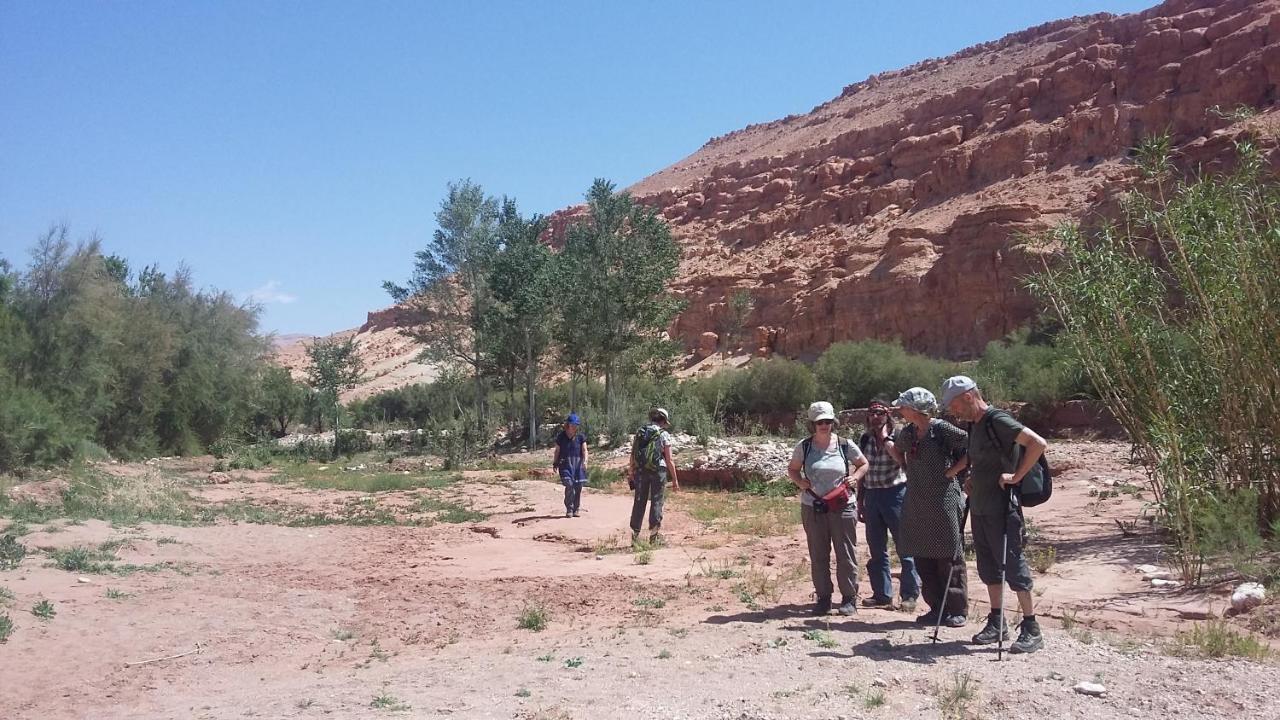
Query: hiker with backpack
826, 468
932, 451
651, 463
880, 496
1003, 454
570, 461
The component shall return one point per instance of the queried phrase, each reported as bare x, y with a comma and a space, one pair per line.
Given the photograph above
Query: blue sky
298, 150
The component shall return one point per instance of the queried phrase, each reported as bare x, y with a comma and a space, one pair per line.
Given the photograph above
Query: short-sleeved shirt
571, 468
882, 470
988, 460
825, 466
663, 440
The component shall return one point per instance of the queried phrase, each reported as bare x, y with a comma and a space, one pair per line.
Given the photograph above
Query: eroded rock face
900, 208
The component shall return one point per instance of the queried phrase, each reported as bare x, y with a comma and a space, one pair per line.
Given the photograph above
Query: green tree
1174, 313
448, 291
734, 318
522, 285
335, 366
282, 399
619, 260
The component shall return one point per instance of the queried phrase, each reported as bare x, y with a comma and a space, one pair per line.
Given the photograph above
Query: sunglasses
878, 412
824, 422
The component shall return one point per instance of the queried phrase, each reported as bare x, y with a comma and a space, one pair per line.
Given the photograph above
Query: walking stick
951, 573
1004, 562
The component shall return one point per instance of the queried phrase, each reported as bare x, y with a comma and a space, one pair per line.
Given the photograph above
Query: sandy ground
319, 621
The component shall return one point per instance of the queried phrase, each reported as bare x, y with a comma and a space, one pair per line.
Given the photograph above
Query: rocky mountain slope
898, 209
902, 208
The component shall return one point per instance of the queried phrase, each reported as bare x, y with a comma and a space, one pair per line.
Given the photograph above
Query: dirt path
333, 620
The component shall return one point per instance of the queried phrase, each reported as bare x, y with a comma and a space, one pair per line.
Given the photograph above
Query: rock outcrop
902, 208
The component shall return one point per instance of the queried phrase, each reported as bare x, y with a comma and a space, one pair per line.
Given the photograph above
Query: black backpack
1037, 487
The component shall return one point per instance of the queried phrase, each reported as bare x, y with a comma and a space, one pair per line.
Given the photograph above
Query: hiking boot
907, 605
635, 537
568, 513
847, 606
1029, 637
823, 606
575, 513
991, 633
655, 538
929, 618
874, 602
954, 621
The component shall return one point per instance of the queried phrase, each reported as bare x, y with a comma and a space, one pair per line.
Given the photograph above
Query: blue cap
573, 419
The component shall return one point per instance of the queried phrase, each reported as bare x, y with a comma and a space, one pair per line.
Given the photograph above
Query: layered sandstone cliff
900, 209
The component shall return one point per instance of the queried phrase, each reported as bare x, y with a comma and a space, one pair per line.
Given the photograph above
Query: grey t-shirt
824, 467
988, 460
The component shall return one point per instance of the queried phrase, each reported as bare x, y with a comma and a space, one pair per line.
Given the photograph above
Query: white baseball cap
821, 411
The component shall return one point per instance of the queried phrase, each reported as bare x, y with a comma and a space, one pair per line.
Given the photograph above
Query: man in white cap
1001, 453
827, 468
651, 463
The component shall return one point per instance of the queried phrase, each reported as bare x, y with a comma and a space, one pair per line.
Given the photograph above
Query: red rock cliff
898, 209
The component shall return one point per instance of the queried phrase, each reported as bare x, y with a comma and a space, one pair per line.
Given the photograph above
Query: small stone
84, 580
879, 682
1144, 569
1057, 676
1157, 575
599, 557
1091, 689
1160, 582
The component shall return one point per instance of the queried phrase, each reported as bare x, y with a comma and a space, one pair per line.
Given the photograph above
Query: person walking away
651, 464
880, 495
933, 514
1001, 453
570, 461
826, 468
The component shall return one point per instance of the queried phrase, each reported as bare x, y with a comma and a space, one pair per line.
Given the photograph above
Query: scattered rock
1145, 569
83, 580
219, 478
1248, 596
1161, 582
1091, 689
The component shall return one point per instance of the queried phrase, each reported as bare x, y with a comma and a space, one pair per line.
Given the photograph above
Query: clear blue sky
300, 149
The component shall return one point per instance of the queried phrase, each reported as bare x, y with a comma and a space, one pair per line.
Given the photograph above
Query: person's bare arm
793, 472
555, 458
671, 468
584, 455
897, 455
859, 471
1033, 447
957, 467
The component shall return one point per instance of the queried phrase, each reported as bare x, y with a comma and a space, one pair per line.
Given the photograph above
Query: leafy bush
1040, 374
852, 374
350, 442
1174, 313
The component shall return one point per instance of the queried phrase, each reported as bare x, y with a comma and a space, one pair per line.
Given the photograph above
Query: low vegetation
533, 617
1218, 639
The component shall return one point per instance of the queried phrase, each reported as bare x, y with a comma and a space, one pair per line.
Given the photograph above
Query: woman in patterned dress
932, 514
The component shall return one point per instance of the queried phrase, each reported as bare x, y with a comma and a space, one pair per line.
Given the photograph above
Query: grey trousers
649, 489
825, 531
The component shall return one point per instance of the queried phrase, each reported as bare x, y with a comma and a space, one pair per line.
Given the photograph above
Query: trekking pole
1004, 562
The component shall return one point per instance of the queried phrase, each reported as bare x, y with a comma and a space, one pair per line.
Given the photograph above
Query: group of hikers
916, 483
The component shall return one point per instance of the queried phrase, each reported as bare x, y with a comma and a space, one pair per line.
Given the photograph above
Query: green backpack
646, 449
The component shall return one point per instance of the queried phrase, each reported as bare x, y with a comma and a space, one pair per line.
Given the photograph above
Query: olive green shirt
988, 461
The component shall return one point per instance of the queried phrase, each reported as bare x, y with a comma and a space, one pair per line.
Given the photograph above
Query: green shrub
852, 374
1040, 374
351, 442
1174, 313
